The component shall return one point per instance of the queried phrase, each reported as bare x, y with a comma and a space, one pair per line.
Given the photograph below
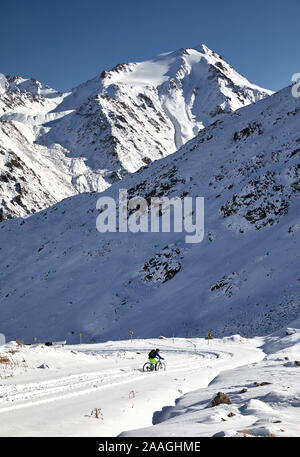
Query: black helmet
157, 350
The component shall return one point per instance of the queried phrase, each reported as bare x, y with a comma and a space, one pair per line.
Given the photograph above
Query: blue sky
64, 43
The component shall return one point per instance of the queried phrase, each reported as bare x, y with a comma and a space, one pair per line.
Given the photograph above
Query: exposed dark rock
219, 399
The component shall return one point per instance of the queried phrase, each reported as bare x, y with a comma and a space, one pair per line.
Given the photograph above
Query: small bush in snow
97, 413
4, 359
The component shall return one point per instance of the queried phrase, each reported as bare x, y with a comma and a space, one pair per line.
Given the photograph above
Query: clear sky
66, 42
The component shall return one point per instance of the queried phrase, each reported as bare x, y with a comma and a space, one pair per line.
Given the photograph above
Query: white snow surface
53, 391
54, 145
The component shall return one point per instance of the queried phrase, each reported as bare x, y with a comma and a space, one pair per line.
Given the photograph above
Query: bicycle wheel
147, 367
161, 366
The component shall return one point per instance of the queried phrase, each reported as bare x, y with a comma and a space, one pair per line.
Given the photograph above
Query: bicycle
160, 366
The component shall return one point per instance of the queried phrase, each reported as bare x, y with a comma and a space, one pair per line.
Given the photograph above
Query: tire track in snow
85, 383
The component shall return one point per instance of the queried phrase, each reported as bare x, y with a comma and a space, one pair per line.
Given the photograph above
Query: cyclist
152, 358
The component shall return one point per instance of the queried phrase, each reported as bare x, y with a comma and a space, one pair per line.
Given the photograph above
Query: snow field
57, 400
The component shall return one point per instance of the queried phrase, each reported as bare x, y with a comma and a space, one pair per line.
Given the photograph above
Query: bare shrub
97, 413
4, 359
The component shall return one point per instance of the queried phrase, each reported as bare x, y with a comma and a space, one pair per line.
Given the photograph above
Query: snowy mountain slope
27, 96
32, 177
59, 276
114, 124
140, 112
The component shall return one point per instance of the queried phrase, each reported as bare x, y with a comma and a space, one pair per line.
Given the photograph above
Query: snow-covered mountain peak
203, 48
113, 124
23, 98
149, 109
32, 85
159, 69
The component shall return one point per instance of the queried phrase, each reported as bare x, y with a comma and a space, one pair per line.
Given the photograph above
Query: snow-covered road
58, 400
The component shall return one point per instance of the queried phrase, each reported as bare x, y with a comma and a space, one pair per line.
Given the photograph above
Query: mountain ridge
86, 139
242, 278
